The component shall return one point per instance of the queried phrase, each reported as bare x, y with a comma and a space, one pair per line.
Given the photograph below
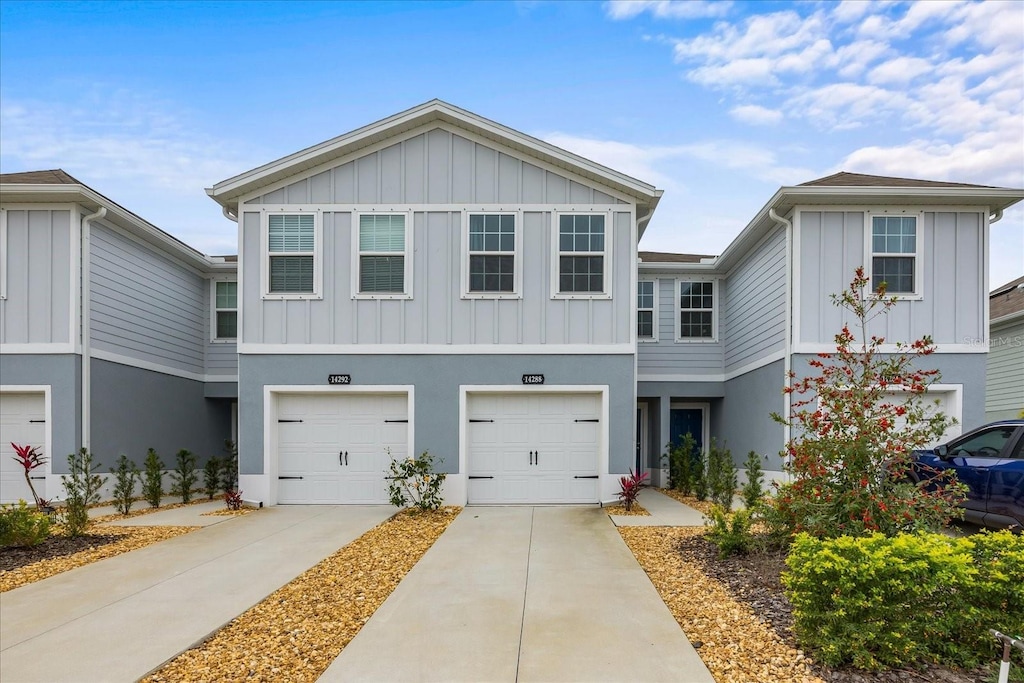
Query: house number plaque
533, 379
339, 379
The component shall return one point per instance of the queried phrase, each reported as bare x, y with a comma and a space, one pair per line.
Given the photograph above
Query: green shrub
880, 601
412, 481
212, 477
82, 489
126, 474
184, 477
229, 474
721, 476
152, 479
680, 464
730, 532
753, 490
22, 526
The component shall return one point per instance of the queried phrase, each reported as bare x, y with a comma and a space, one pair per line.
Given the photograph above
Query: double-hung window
645, 310
582, 259
225, 310
894, 249
382, 245
291, 244
696, 310
492, 255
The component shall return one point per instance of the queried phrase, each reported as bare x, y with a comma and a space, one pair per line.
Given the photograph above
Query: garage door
22, 421
935, 400
335, 448
533, 448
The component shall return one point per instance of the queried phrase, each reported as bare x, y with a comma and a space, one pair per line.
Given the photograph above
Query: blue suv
990, 461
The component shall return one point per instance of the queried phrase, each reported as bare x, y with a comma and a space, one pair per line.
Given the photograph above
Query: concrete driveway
118, 619
523, 594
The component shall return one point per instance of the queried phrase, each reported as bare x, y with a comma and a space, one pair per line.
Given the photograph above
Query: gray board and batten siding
831, 245
439, 167
437, 379
38, 273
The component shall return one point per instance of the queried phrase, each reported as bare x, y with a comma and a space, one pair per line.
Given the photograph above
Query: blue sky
717, 103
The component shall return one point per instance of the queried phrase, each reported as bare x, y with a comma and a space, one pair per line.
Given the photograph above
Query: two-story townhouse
436, 282
114, 335
727, 330
1004, 391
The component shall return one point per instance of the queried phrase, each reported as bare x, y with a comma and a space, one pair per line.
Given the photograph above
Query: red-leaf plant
630, 488
852, 444
233, 499
30, 458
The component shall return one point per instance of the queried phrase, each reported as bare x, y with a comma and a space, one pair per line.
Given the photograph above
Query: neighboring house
1004, 391
108, 334
437, 281
730, 328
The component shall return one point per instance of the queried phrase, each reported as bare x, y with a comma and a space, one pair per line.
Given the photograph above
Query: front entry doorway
692, 418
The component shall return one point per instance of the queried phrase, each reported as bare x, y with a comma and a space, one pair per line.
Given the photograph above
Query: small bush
233, 499
721, 476
730, 532
880, 601
152, 479
185, 477
126, 474
753, 490
412, 481
229, 473
630, 487
212, 476
82, 489
22, 526
684, 461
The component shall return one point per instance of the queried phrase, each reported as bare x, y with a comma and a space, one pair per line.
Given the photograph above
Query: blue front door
683, 420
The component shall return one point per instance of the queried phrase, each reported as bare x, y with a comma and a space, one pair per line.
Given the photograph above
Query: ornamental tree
856, 419
30, 458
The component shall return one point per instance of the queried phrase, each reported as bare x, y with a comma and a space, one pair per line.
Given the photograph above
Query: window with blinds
382, 254
292, 244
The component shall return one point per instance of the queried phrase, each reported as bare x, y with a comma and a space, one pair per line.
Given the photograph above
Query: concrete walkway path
665, 511
118, 619
523, 594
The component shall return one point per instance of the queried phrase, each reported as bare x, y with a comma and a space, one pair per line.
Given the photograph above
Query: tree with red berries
856, 420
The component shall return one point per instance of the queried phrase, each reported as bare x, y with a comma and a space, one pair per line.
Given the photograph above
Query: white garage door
335, 448
941, 398
22, 421
533, 448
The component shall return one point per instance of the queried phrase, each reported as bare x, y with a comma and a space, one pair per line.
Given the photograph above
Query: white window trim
517, 255
716, 293
918, 215
214, 339
318, 242
408, 255
609, 231
654, 314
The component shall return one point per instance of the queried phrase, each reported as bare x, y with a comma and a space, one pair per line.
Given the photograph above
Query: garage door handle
481, 420
590, 420
37, 477
343, 458
289, 477
289, 420
402, 421
531, 457
536, 457
35, 421
586, 476
472, 477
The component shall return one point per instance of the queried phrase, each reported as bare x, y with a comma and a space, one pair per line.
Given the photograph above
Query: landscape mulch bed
302, 627
637, 510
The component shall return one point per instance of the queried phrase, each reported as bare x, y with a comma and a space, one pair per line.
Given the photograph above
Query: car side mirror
943, 452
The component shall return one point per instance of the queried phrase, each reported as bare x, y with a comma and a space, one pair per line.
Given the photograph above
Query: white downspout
86, 326
787, 359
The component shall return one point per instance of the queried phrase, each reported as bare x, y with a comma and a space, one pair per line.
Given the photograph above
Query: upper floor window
383, 254
894, 250
696, 310
291, 243
581, 254
225, 310
492, 254
645, 310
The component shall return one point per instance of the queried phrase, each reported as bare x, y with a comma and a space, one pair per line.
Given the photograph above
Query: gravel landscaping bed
228, 513
21, 566
295, 633
638, 510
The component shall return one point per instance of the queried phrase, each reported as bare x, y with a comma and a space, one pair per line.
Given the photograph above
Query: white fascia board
1008, 318
682, 268
228, 190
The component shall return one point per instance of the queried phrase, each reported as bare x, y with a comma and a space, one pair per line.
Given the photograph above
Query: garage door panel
22, 421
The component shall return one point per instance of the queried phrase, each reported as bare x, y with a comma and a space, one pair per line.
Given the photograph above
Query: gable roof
56, 186
227, 192
847, 179
1006, 300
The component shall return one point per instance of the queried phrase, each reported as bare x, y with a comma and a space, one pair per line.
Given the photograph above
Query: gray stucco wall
134, 410
437, 379
746, 423
63, 373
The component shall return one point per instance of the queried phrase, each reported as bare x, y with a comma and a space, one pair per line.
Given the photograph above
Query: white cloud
900, 70
756, 115
668, 9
